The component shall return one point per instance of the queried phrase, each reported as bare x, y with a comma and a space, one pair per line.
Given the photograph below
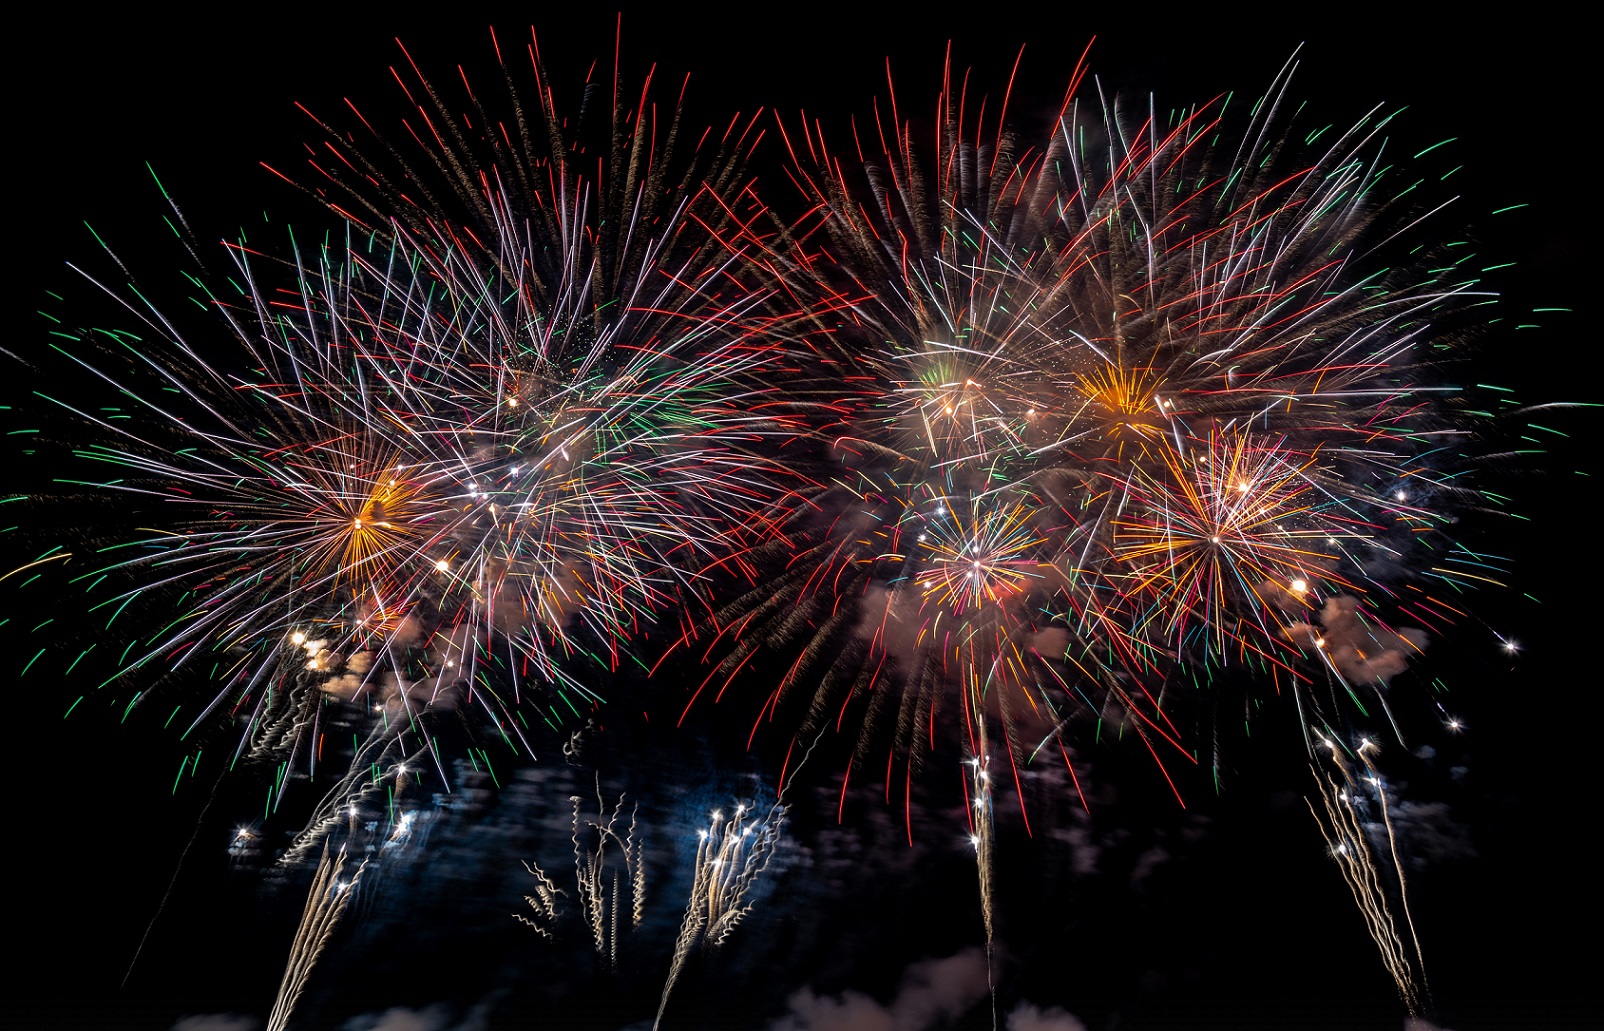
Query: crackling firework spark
606, 886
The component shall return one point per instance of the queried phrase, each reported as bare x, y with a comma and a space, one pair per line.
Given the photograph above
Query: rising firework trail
325, 904
1349, 844
731, 854
983, 833
609, 878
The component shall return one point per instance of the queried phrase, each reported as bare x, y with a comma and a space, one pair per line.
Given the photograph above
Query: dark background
1245, 923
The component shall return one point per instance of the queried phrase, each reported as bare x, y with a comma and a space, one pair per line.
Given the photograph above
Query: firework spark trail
983, 837
1349, 845
543, 902
367, 775
609, 878
731, 854
1366, 749
325, 904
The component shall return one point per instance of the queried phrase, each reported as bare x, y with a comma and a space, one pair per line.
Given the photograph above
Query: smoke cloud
1360, 652
933, 994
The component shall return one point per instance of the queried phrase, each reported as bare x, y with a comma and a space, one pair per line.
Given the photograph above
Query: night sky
1137, 915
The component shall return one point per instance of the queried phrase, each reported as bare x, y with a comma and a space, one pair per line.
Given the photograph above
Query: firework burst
453, 459
1100, 413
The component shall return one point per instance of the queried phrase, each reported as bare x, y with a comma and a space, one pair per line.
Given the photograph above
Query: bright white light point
941, 510
1300, 585
1511, 647
1454, 724
297, 638
979, 802
442, 565
517, 469
1319, 642
921, 536
975, 841
1031, 412
242, 833
1242, 486
1216, 540
357, 521
512, 402
1400, 495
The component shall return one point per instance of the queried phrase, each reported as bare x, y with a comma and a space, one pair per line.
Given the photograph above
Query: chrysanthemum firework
454, 456
1105, 411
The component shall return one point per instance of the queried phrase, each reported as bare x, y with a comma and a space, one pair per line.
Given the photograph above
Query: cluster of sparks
1041, 430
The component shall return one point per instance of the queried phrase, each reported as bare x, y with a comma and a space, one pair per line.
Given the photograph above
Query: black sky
1244, 923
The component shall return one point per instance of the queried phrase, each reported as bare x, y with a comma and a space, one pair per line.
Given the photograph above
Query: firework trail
325, 904
982, 827
731, 854
605, 887
543, 902
1349, 845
